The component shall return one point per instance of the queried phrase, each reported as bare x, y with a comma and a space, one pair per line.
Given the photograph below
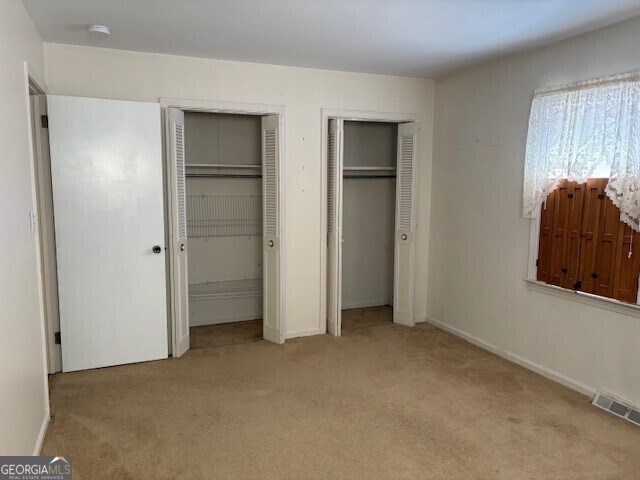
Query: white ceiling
422, 38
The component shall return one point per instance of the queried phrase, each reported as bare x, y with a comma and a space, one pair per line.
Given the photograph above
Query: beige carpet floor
378, 403
224, 334
235, 333
366, 317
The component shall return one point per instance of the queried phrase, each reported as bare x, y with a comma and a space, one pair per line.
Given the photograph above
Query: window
582, 183
584, 245
582, 131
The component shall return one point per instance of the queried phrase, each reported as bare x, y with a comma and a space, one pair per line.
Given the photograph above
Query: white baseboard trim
523, 362
303, 333
41, 435
420, 319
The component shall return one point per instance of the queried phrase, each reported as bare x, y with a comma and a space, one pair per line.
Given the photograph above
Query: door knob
182, 247
271, 243
404, 236
156, 249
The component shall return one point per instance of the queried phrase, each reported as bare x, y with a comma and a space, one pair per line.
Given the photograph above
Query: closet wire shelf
224, 215
248, 287
362, 173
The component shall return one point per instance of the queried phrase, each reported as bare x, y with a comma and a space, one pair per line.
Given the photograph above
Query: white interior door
403, 290
273, 326
334, 227
178, 234
106, 165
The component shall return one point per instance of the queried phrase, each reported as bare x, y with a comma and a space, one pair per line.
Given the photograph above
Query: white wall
479, 242
94, 72
368, 230
23, 397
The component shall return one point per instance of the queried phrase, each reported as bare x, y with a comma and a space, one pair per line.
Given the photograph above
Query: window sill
586, 298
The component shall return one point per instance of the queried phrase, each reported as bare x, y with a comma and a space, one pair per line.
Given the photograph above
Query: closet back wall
220, 138
100, 72
368, 224
228, 140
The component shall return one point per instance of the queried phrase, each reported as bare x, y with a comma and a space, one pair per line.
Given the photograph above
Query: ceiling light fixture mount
99, 29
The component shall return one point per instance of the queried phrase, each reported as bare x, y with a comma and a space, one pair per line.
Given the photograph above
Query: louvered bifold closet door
405, 224
178, 257
334, 227
273, 328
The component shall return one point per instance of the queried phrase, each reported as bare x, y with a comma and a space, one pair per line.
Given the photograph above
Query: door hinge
577, 285
57, 339
594, 275
44, 121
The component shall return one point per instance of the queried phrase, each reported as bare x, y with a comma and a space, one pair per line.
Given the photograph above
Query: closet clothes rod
221, 165
220, 175
370, 169
369, 176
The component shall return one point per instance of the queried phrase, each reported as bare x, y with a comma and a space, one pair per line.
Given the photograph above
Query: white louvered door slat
405, 224
273, 328
270, 183
178, 257
331, 184
180, 181
334, 227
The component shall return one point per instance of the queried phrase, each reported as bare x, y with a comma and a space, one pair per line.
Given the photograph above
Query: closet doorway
224, 204
370, 225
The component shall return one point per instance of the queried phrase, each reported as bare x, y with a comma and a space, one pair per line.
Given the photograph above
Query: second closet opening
368, 223
224, 227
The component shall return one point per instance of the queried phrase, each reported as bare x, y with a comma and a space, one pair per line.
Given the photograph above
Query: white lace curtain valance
581, 129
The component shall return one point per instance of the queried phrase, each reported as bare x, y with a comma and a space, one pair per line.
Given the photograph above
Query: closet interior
224, 226
368, 222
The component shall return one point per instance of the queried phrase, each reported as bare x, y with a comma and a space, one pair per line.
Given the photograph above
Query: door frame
42, 205
236, 108
33, 84
351, 116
